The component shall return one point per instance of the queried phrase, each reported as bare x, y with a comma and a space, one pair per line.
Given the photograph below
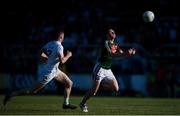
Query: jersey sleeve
107, 45
44, 48
60, 50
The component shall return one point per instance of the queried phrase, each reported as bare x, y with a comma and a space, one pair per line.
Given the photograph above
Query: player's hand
121, 51
69, 53
131, 51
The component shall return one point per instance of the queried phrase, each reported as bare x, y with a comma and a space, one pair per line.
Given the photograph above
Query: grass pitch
52, 105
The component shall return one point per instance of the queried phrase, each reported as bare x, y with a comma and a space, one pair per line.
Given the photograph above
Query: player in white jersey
52, 54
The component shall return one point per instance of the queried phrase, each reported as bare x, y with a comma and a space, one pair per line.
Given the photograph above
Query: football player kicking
102, 69
53, 55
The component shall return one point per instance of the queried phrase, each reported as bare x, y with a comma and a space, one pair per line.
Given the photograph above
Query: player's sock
83, 107
21, 92
115, 93
66, 100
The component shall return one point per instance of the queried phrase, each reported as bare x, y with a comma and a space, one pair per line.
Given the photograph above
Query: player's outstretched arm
63, 58
119, 53
130, 52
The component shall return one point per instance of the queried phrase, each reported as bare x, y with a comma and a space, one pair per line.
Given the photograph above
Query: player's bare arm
63, 58
130, 52
43, 56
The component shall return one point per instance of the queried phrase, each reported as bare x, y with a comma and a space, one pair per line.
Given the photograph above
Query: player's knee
93, 91
116, 89
69, 84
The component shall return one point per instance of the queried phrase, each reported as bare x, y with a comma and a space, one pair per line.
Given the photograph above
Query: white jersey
53, 50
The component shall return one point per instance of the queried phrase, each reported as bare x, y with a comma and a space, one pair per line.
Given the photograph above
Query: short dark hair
109, 26
56, 33
60, 32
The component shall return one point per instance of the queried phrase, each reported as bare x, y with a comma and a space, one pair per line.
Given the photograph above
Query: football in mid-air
148, 16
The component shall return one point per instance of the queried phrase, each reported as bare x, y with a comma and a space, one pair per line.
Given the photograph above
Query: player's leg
34, 90
113, 85
89, 94
111, 81
63, 78
92, 91
46, 79
97, 77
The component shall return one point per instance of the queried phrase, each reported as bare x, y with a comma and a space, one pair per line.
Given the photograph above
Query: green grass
46, 105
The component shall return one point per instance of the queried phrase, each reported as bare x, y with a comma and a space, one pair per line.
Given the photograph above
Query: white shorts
100, 74
47, 76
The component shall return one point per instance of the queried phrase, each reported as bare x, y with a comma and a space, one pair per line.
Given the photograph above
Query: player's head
60, 36
111, 34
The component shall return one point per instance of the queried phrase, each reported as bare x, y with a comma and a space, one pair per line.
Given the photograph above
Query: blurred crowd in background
85, 22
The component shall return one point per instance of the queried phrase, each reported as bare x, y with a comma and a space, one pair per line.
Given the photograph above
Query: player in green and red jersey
102, 69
